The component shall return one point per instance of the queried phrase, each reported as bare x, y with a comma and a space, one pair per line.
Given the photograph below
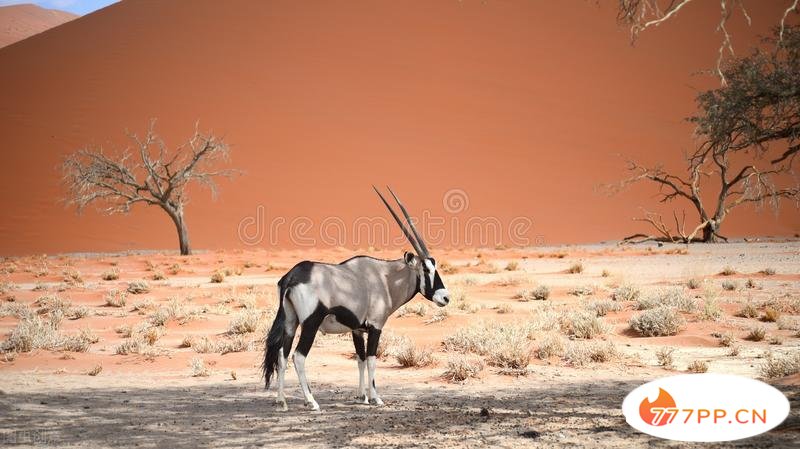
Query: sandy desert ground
129, 378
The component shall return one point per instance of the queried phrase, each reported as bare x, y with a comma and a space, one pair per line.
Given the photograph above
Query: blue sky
79, 7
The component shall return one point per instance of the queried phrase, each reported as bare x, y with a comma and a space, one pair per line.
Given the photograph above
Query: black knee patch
358, 342
287, 345
373, 337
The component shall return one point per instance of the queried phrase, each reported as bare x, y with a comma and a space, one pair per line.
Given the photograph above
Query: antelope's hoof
376, 401
313, 406
362, 399
282, 407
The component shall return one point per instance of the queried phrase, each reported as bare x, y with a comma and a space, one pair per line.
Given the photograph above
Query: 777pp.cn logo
665, 411
705, 407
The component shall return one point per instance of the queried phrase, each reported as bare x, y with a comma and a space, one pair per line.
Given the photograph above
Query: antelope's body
356, 296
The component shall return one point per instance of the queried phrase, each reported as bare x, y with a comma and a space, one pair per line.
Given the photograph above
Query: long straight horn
400, 223
411, 225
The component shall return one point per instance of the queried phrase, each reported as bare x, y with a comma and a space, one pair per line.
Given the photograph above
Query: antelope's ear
410, 258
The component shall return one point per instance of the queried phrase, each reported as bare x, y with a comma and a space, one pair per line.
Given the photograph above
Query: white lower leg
282, 362
362, 381
300, 367
373, 391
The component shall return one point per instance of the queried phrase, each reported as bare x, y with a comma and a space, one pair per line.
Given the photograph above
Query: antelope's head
428, 279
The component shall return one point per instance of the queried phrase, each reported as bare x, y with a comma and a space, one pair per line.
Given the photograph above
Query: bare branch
792, 7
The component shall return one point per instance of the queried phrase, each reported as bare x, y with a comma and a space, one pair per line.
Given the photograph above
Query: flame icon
664, 400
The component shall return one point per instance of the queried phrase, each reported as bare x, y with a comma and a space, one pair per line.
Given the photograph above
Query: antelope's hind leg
283, 358
361, 357
308, 332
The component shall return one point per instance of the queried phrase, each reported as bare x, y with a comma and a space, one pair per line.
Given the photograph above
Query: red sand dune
18, 22
523, 105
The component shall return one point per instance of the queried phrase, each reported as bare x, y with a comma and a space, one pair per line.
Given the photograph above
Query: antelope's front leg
361, 355
373, 337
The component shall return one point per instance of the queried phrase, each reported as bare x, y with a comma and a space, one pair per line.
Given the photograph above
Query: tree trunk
183, 237
710, 232
180, 226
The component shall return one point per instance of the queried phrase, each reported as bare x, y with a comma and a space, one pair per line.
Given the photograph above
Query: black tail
274, 344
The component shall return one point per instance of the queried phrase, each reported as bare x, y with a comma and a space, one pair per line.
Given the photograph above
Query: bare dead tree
146, 173
750, 134
641, 15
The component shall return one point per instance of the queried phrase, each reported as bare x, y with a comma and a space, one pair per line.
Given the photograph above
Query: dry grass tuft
582, 290
53, 305
78, 312
158, 275
96, 370
129, 346
757, 334
665, 358
110, 275
583, 324
551, 344
775, 340
626, 292
199, 368
506, 346
581, 354
787, 365
409, 355
512, 266
602, 307
659, 321
34, 332
575, 268
138, 287
244, 322
711, 310
539, 293
218, 277
236, 343
727, 339
440, 314
150, 335
124, 330
730, 286
72, 276
728, 271
15, 309
693, 283
770, 315
116, 298
416, 308
671, 297
698, 366
748, 310
460, 368
788, 323
503, 308
769, 271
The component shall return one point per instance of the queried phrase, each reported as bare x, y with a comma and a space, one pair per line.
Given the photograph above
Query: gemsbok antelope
357, 296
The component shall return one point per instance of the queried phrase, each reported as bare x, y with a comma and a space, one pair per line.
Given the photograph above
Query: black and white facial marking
430, 283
